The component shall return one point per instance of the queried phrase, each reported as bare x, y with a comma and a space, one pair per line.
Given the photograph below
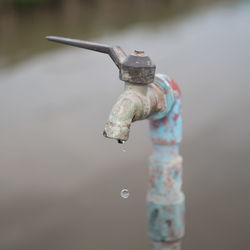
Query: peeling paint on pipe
165, 198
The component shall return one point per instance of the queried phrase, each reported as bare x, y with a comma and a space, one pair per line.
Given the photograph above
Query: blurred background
60, 179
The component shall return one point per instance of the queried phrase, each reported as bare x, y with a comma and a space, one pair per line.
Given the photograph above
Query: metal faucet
155, 97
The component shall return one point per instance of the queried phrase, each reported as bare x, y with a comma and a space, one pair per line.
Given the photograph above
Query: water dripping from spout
124, 193
120, 141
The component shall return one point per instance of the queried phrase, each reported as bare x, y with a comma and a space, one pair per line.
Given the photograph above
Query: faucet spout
137, 102
121, 117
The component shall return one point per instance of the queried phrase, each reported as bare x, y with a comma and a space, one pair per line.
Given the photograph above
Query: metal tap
155, 97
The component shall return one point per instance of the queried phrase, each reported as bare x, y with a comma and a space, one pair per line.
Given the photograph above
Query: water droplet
120, 141
124, 193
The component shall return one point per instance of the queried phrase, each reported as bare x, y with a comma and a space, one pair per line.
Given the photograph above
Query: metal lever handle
116, 53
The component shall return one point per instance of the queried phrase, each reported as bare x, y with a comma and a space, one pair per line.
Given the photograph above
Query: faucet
155, 97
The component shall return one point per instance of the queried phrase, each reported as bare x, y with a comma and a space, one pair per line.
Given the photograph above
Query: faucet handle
136, 68
115, 52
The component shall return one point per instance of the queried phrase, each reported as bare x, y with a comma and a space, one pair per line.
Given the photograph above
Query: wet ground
61, 179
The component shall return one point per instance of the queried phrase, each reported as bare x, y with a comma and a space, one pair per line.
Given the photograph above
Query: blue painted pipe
165, 198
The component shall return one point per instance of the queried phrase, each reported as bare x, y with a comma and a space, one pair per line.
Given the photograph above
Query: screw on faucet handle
116, 53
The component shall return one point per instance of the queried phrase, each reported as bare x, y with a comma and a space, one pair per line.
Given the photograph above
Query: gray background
61, 179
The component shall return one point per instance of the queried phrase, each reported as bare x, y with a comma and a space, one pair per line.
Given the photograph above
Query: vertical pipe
165, 199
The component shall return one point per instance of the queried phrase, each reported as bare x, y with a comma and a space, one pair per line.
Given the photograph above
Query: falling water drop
124, 193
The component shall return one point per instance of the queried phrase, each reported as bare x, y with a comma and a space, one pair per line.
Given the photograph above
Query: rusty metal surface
166, 201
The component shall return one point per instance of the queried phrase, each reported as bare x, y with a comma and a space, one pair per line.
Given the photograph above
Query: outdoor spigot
136, 68
139, 99
155, 97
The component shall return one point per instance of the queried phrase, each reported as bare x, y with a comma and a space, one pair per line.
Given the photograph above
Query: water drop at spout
124, 193
120, 141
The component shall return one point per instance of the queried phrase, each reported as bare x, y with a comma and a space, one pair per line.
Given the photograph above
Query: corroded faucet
155, 97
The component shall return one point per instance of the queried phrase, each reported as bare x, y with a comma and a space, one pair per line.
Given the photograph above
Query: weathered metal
166, 201
137, 102
158, 99
160, 102
136, 68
